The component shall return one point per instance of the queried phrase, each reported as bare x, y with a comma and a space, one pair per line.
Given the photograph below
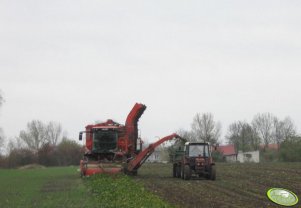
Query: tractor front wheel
187, 172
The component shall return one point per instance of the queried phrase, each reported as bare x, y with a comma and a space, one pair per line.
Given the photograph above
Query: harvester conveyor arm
143, 155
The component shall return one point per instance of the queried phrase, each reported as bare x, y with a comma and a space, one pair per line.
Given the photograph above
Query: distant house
228, 152
230, 155
154, 157
248, 156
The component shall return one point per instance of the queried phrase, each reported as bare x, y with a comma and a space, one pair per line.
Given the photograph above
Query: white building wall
248, 156
154, 157
230, 158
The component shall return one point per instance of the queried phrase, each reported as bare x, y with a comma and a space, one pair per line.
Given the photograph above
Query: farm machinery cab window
196, 150
104, 140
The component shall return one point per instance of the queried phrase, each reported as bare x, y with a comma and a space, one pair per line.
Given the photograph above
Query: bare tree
68, 152
35, 136
278, 131
263, 124
186, 135
15, 143
242, 135
53, 132
289, 128
205, 129
250, 139
1, 131
233, 135
284, 130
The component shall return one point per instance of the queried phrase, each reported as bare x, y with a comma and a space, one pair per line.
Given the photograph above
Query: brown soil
237, 185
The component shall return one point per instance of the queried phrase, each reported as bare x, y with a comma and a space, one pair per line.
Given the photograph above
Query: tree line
263, 130
44, 143
41, 143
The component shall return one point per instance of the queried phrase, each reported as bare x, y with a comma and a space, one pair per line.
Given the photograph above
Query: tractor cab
197, 149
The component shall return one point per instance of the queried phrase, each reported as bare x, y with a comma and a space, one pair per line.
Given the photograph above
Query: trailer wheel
178, 171
174, 170
187, 172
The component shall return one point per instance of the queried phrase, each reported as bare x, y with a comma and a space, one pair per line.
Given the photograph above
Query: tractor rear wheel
187, 172
207, 176
213, 173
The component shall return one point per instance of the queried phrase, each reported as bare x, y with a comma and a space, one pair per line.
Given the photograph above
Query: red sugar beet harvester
112, 147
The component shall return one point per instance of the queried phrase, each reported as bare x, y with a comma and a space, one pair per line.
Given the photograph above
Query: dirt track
237, 185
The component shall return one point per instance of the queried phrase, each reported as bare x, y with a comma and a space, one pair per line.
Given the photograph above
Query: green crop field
48, 187
62, 187
237, 185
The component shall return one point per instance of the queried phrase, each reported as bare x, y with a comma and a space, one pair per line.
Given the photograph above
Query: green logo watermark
282, 197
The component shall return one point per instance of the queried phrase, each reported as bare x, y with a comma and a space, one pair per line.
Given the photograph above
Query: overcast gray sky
76, 62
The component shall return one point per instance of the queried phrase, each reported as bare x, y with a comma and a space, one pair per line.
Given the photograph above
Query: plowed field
237, 185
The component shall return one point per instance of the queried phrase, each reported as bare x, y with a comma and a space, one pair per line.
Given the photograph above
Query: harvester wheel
135, 172
213, 173
187, 172
127, 172
131, 173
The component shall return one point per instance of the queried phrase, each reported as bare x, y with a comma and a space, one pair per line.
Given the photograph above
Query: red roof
227, 149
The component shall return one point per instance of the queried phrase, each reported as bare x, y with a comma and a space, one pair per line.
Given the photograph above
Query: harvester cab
110, 144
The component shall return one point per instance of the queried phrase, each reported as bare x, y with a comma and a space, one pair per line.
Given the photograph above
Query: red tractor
194, 159
112, 147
